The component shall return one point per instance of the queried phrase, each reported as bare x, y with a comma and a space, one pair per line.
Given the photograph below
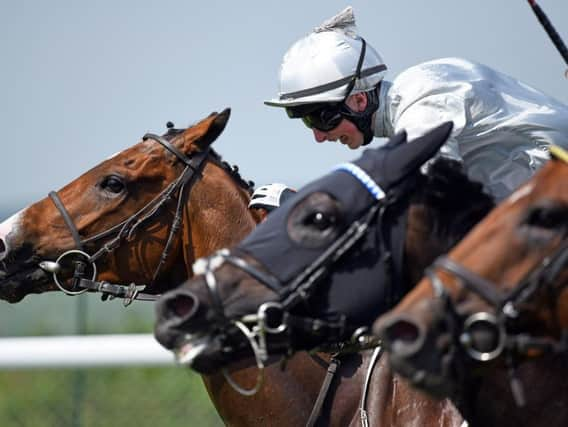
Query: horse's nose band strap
67, 218
267, 279
484, 288
213, 290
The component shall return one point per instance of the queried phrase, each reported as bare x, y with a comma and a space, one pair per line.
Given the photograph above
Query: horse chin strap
82, 261
511, 345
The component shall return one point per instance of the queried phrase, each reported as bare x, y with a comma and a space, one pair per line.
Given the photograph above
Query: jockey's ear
202, 135
357, 102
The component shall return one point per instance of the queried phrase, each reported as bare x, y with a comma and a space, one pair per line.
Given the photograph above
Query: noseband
177, 189
506, 313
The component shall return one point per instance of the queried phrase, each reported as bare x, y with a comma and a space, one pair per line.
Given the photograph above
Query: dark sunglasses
324, 118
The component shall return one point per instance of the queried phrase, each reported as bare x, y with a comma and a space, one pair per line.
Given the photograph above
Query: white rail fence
82, 351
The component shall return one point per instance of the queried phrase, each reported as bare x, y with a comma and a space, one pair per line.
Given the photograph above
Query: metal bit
50, 266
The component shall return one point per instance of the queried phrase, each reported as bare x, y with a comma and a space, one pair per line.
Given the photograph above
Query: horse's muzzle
174, 313
419, 344
401, 335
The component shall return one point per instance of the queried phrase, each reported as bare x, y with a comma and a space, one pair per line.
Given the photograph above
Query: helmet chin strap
363, 120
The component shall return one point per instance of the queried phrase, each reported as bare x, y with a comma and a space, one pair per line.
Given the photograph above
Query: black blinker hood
388, 166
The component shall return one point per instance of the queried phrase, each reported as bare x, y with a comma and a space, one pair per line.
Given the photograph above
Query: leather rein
83, 261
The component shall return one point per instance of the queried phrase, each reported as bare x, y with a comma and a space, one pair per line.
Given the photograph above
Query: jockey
333, 80
269, 197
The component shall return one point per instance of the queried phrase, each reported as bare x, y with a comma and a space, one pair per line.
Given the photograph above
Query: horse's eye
315, 221
113, 184
320, 220
550, 216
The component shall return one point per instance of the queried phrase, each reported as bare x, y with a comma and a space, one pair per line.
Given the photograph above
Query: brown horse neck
420, 247
545, 390
216, 215
288, 395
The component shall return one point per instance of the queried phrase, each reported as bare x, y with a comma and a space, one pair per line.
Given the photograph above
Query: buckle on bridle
265, 317
131, 294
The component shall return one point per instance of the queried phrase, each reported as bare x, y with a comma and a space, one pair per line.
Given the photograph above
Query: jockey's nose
319, 135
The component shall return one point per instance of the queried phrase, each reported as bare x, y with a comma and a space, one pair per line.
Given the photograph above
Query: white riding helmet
270, 196
320, 66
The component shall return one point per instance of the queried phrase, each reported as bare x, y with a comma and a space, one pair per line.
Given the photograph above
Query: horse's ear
216, 123
201, 135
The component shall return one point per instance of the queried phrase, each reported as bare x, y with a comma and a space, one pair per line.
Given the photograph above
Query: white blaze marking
114, 155
520, 193
11, 224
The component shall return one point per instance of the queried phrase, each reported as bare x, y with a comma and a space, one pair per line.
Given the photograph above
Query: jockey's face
346, 132
261, 212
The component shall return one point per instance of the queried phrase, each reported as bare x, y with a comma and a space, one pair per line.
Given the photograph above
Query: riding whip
551, 31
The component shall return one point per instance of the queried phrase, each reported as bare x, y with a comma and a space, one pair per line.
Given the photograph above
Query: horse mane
455, 202
232, 170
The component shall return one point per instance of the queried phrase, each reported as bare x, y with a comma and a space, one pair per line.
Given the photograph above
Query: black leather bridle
83, 261
505, 315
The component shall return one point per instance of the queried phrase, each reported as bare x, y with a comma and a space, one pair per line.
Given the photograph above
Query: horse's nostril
402, 336
402, 330
182, 305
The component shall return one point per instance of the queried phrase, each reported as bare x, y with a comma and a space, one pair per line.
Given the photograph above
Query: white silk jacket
502, 127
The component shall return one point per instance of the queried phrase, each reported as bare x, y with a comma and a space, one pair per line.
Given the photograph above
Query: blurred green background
97, 397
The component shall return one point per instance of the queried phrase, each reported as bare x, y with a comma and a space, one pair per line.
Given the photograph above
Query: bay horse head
323, 265
140, 217
488, 325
